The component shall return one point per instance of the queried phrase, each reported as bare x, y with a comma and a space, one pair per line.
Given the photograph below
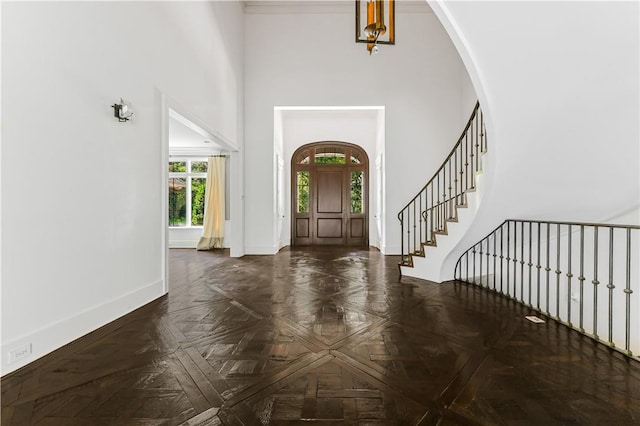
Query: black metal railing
520, 258
428, 212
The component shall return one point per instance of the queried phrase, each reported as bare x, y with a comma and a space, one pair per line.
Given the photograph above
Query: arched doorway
329, 195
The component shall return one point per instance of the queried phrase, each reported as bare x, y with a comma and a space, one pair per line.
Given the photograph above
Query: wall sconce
122, 111
375, 31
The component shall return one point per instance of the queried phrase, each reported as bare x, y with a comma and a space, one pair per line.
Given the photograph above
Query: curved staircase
440, 214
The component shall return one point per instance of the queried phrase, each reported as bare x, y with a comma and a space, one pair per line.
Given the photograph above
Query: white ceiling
181, 136
324, 6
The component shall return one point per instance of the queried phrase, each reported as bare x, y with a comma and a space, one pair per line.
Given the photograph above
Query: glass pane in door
357, 198
302, 193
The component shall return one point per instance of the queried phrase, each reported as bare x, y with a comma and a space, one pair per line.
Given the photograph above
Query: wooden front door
329, 195
329, 211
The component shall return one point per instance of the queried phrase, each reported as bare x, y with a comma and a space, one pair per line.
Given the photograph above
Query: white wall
279, 182
558, 82
81, 192
379, 209
293, 60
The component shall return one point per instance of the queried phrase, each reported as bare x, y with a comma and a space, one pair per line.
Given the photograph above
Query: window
187, 183
330, 155
357, 183
303, 157
302, 198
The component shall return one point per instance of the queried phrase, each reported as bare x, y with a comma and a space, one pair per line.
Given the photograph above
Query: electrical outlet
19, 353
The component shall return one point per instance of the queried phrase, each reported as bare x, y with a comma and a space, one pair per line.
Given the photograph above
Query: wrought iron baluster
515, 260
431, 236
495, 257
438, 201
530, 264
420, 238
466, 161
455, 176
474, 263
414, 248
480, 263
501, 257
610, 286
477, 145
521, 263
473, 174
409, 225
401, 217
483, 145
547, 269
444, 199
569, 276
538, 268
427, 235
487, 260
450, 206
581, 278
508, 254
595, 282
462, 177
558, 272
628, 291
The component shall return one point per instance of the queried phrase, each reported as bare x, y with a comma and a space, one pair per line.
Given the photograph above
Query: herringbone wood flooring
323, 336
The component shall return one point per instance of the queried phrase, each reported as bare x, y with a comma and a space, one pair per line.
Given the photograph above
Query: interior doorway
329, 197
187, 142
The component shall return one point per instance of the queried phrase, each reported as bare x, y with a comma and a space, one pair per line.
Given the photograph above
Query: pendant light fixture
375, 23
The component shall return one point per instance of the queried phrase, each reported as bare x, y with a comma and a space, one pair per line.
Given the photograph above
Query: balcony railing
584, 275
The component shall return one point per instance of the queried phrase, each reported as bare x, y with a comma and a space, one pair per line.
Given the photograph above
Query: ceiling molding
278, 7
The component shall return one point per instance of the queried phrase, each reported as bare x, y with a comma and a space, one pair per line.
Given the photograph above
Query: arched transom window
330, 154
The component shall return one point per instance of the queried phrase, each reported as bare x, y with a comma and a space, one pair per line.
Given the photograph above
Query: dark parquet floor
323, 336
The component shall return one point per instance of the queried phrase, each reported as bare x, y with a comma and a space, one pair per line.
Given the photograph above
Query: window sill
186, 227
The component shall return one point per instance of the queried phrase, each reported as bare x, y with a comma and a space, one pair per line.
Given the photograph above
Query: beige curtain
213, 235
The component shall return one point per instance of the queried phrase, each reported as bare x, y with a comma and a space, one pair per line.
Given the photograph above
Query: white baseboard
53, 336
189, 244
390, 250
261, 250
183, 244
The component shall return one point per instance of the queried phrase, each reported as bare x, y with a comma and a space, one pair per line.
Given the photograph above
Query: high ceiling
328, 6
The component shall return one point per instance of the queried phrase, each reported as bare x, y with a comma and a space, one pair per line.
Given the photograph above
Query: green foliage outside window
332, 159
357, 180
199, 167
177, 166
303, 192
198, 186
